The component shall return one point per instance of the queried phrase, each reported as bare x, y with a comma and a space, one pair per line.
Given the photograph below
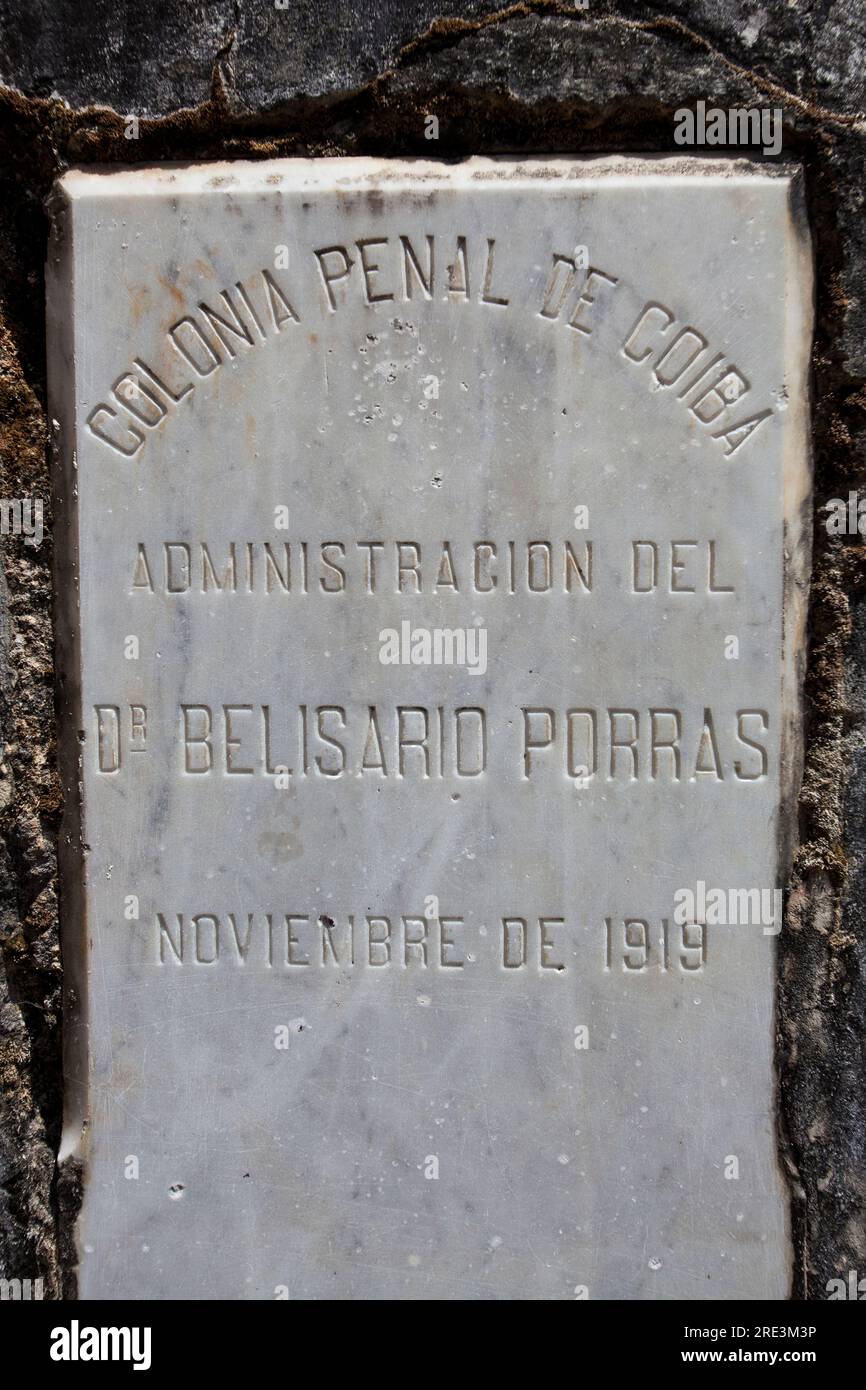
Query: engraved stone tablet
432, 578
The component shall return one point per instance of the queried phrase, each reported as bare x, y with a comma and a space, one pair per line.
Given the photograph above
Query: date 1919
633, 944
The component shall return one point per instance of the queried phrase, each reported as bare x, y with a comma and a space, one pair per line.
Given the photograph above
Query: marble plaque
431, 579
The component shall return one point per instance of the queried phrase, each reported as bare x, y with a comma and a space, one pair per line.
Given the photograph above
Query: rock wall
228, 79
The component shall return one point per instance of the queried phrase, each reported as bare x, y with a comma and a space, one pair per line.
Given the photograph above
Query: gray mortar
220, 79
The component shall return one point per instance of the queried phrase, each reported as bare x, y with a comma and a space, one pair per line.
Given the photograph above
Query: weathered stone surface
406, 1107
273, 54
603, 79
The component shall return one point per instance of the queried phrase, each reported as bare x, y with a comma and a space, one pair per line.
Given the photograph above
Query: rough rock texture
223, 79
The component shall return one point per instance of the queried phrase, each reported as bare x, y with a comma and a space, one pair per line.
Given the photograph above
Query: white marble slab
416, 1019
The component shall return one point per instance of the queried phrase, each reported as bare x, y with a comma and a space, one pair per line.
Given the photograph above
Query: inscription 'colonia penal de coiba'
675, 356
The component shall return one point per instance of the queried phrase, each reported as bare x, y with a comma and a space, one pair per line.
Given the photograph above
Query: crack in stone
447, 32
